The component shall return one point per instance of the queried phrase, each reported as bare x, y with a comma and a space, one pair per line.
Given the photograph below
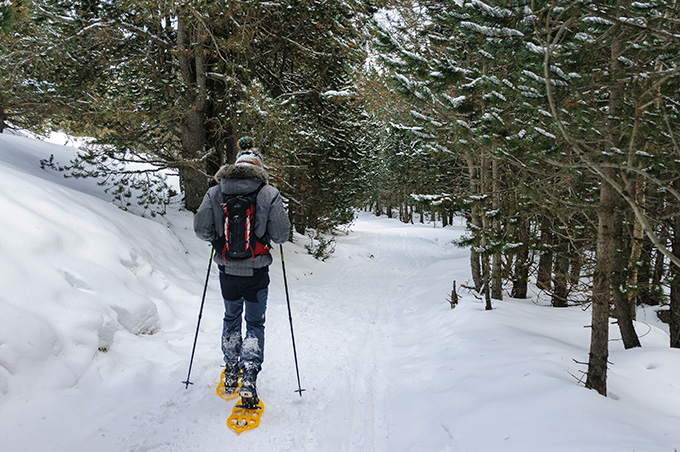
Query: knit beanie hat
248, 155
246, 143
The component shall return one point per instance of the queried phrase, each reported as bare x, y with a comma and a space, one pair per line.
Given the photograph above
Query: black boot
231, 376
248, 391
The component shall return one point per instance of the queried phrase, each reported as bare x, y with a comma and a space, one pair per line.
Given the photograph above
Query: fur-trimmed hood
240, 179
242, 172
271, 220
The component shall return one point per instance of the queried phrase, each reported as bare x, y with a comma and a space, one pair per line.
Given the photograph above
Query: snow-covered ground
98, 309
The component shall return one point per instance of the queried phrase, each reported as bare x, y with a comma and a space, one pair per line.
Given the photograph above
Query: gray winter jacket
271, 220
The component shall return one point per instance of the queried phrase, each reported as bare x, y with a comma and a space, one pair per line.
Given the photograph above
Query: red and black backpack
239, 227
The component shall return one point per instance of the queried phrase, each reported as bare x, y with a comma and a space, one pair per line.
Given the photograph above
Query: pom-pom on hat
250, 157
245, 143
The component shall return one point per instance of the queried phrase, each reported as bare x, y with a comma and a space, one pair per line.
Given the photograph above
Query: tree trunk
193, 180
544, 272
299, 222
635, 247
496, 272
486, 278
622, 303
575, 271
675, 282
644, 292
475, 223
521, 269
601, 298
484, 234
658, 270
194, 185
560, 278
608, 234
496, 277
619, 261
3, 116
655, 259
476, 269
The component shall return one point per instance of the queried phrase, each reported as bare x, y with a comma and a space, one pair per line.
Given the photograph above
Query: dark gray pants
249, 294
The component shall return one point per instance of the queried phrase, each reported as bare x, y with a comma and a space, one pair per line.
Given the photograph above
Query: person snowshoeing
241, 216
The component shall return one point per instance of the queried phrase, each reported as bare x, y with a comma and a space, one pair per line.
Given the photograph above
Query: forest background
552, 126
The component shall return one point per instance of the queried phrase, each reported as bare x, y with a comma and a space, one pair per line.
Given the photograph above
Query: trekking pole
290, 318
200, 314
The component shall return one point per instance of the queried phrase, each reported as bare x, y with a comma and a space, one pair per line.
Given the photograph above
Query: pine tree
175, 85
586, 89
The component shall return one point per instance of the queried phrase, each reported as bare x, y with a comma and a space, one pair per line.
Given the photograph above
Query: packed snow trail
348, 314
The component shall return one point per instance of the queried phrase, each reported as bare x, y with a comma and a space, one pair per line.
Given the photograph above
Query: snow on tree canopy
597, 20
639, 21
472, 84
333, 93
408, 84
418, 115
625, 61
508, 83
585, 37
435, 200
545, 112
537, 78
493, 32
535, 49
454, 101
486, 54
417, 131
464, 124
495, 94
545, 133
558, 71
492, 11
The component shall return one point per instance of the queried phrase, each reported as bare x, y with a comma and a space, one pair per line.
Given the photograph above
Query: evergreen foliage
566, 116
174, 86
